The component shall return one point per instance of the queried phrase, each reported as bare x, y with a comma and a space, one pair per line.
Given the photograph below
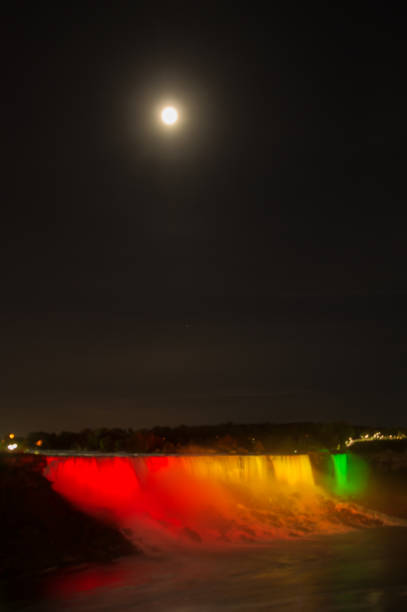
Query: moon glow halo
169, 115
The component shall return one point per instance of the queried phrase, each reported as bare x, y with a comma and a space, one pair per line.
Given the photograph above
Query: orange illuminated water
234, 498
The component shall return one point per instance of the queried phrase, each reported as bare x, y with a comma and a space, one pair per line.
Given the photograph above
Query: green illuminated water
341, 473
351, 474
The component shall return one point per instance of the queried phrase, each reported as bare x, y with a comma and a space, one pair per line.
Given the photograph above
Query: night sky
247, 265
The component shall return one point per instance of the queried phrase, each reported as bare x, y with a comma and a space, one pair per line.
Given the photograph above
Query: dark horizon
335, 362
250, 265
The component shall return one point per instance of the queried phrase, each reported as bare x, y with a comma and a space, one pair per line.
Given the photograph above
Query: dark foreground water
359, 570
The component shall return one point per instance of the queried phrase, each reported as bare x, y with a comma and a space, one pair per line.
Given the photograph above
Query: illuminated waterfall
248, 470
340, 462
213, 498
293, 470
351, 474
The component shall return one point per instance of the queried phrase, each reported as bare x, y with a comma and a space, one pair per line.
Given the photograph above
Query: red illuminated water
359, 570
223, 533
209, 499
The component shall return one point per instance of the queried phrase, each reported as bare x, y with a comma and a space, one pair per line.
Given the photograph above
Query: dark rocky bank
40, 530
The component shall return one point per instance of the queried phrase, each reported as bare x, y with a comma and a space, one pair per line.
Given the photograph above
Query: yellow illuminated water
234, 468
213, 498
293, 470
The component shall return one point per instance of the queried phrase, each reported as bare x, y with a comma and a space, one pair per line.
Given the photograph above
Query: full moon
169, 115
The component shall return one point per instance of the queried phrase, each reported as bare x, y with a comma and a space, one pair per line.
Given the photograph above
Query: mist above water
176, 501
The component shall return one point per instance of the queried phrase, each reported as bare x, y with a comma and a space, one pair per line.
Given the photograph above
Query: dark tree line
226, 437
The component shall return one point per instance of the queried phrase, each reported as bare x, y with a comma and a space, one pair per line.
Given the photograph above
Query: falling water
340, 462
233, 498
294, 470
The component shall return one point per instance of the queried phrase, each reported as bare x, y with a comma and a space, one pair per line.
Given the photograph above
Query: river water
358, 570
225, 533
